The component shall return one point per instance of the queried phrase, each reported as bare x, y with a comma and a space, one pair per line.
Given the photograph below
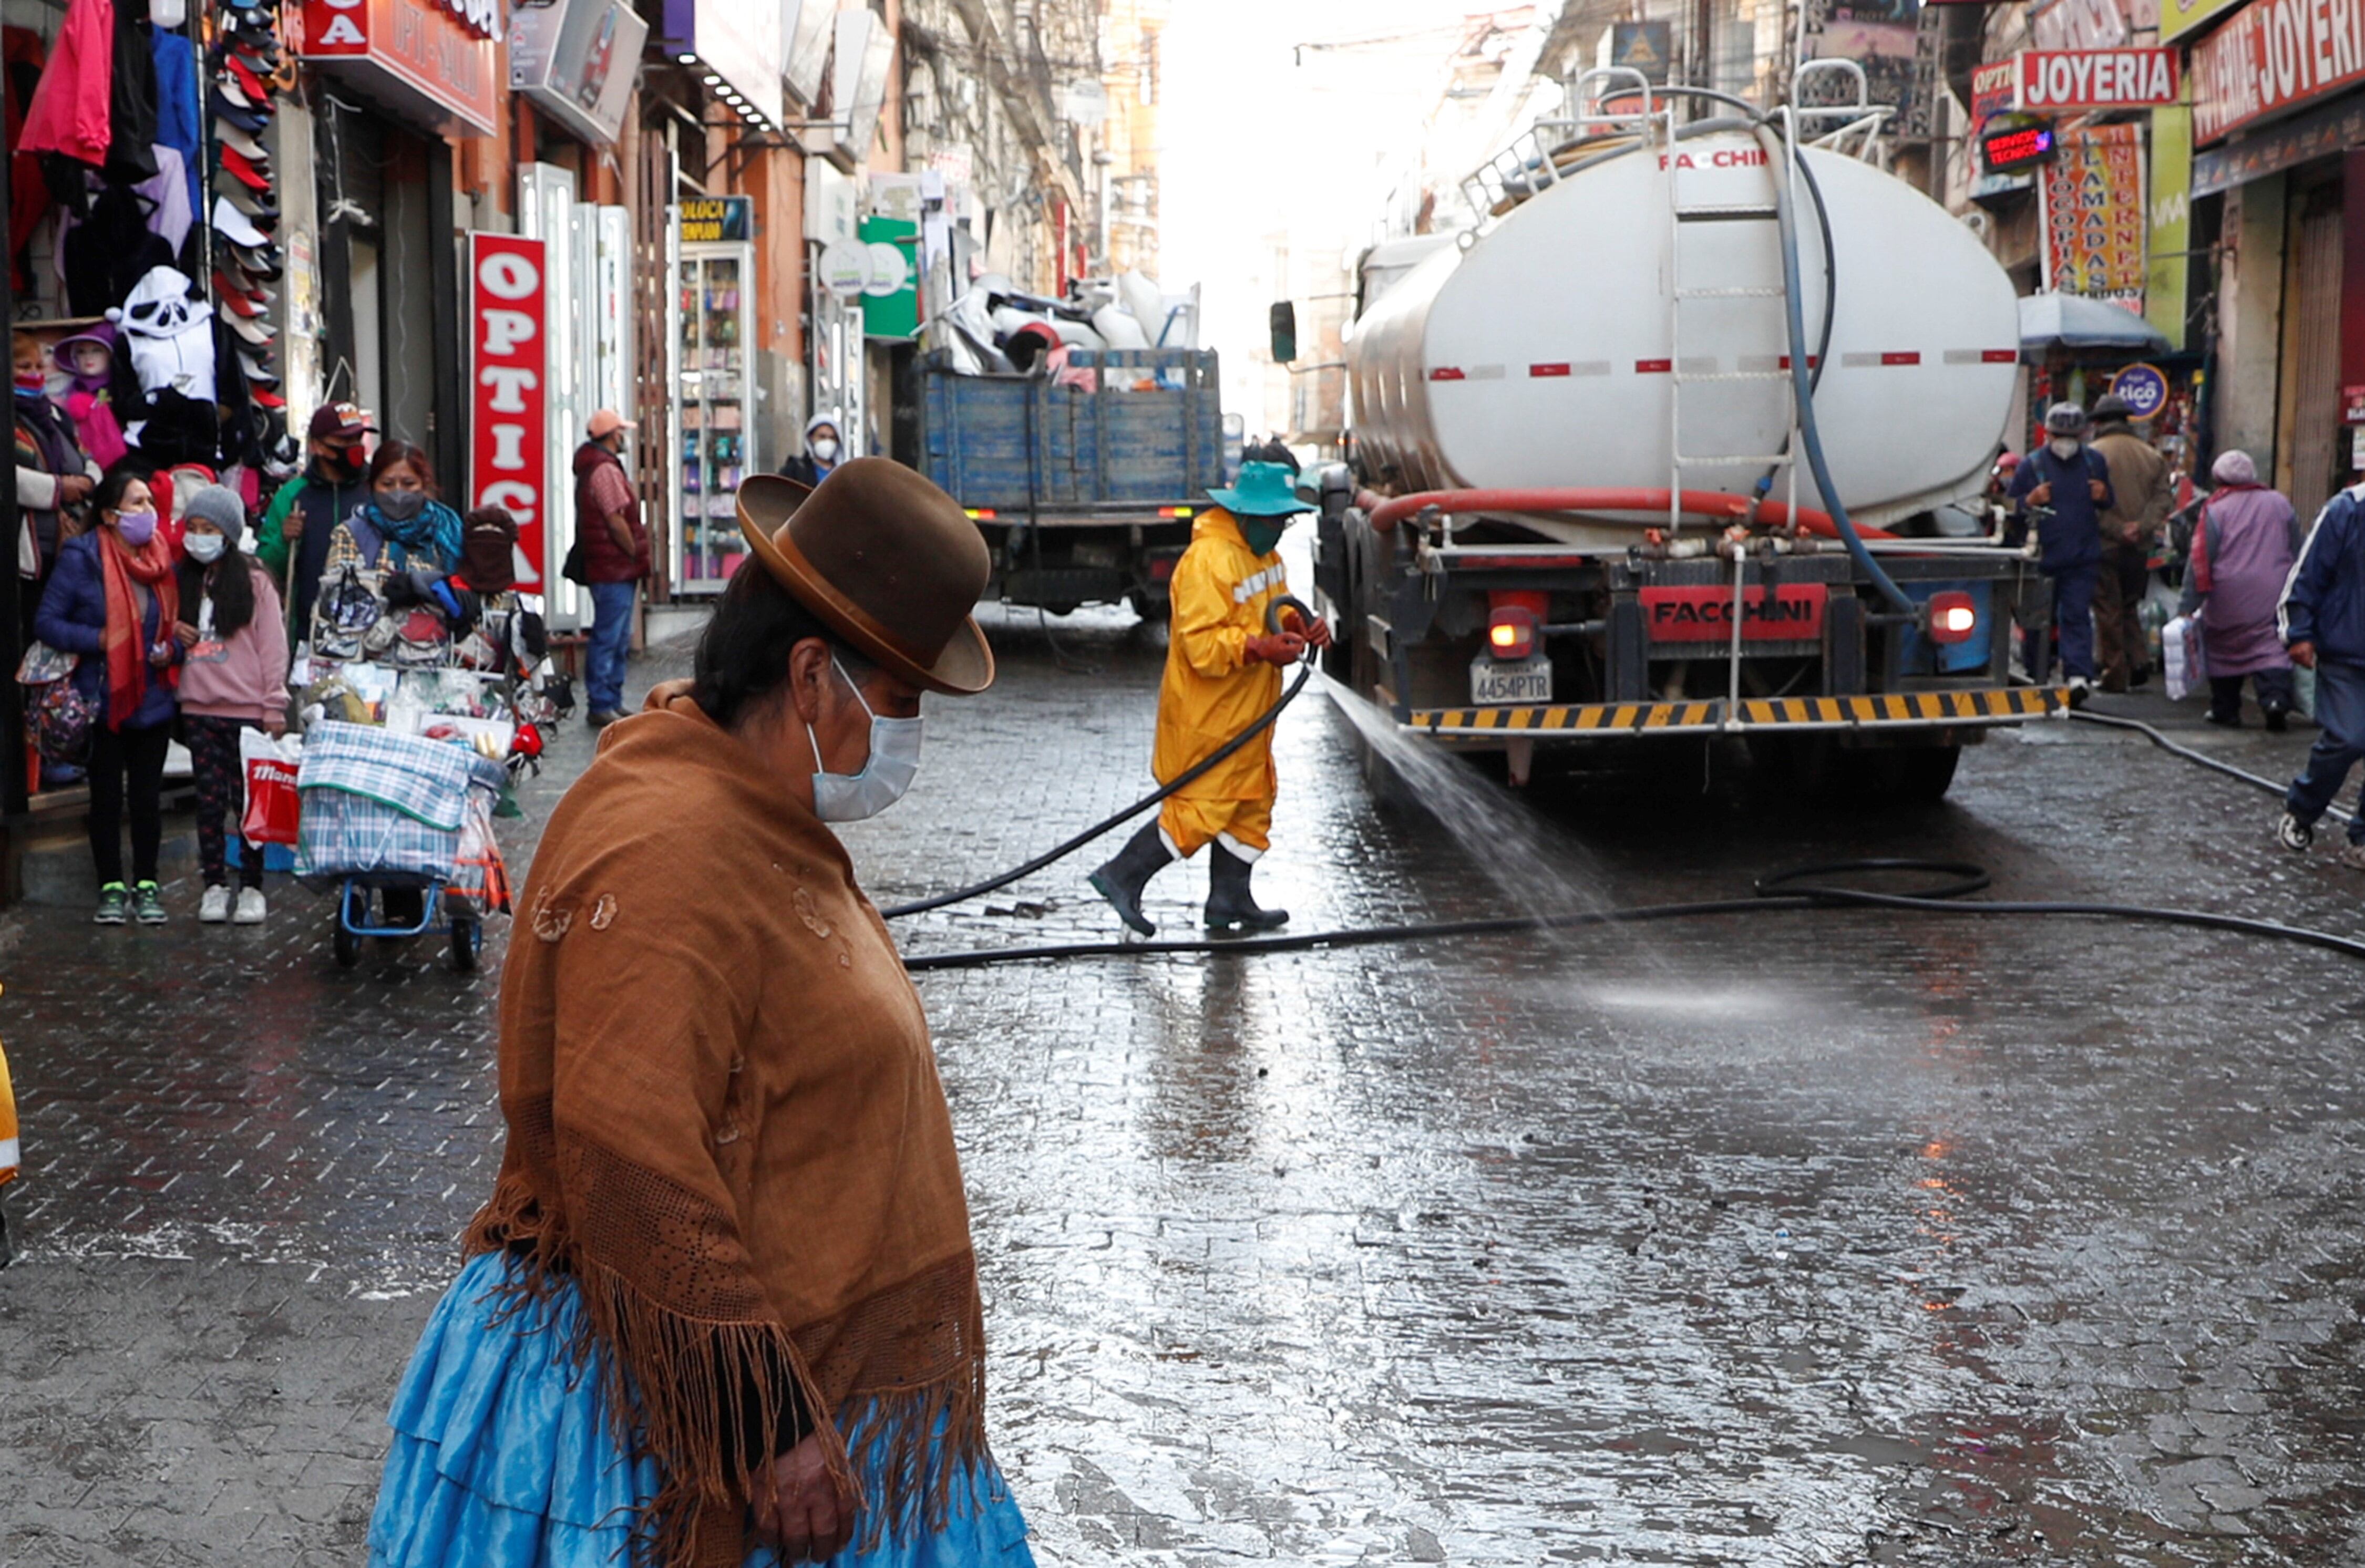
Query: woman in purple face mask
115, 601
53, 471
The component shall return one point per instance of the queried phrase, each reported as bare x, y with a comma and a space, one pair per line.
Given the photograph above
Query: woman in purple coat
2242, 555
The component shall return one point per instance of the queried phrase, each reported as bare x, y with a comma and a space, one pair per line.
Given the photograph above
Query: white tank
1539, 355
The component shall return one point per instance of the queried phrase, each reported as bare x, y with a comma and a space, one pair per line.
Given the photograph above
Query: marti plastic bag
274, 809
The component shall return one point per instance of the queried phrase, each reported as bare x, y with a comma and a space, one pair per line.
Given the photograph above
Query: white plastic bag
2180, 646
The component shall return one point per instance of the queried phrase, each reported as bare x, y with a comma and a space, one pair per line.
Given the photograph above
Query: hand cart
384, 816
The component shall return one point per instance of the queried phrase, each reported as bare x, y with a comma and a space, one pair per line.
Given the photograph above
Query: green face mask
1262, 532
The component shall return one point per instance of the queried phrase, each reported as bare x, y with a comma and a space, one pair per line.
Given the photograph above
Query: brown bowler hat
891, 562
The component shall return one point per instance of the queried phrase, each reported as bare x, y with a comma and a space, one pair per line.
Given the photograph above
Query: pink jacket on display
248, 678
71, 110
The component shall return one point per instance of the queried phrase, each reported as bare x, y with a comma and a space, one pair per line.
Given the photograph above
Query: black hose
1060, 851
2213, 764
1776, 892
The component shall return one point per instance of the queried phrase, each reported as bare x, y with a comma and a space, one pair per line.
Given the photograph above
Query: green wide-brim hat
1265, 489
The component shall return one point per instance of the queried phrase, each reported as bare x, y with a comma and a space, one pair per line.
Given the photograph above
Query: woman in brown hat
721, 1307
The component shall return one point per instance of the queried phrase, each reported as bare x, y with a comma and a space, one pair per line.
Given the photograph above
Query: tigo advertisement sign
2274, 55
2057, 80
508, 362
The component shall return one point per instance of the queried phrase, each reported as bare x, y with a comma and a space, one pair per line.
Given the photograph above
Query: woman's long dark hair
743, 656
229, 582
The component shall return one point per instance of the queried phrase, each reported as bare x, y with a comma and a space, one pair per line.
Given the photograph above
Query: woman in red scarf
114, 600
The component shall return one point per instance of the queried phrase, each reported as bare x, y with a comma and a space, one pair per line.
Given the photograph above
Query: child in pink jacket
233, 678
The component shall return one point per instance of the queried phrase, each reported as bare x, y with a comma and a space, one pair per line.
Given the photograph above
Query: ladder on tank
1658, 126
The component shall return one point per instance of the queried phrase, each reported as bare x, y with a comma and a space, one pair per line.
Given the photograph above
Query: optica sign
509, 358
2055, 81
2273, 55
1788, 612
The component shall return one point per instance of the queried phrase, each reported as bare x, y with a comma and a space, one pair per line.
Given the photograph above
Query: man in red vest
615, 558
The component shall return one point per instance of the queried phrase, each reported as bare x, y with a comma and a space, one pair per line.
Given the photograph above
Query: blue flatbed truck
1084, 495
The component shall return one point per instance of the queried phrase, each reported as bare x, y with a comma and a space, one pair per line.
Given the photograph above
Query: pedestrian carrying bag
274, 808
61, 722
2180, 647
572, 568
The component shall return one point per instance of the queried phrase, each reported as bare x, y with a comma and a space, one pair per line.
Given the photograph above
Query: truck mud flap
1997, 705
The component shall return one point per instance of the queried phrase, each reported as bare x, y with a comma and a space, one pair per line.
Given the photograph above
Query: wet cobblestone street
1798, 1238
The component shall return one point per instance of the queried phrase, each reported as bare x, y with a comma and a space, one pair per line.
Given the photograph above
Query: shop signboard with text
2094, 217
2274, 55
431, 62
1992, 87
2059, 81
509, 363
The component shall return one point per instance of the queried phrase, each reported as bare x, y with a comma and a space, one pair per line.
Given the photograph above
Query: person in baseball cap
614, 548
293, 541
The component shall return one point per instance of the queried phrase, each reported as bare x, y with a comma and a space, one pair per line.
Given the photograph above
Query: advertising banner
2094, 218
2274, 55
2167, 274
509, 363
2077, 23
574, 58
2059, 81
738, 43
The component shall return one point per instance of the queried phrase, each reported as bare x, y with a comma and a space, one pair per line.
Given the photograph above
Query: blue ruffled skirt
504, 1457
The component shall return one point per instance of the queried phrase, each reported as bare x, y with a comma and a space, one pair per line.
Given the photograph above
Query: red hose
1388, 513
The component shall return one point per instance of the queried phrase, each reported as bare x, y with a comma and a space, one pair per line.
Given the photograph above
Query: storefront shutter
2313, 366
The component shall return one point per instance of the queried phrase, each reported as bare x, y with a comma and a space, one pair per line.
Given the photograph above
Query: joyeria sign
431, 62
509, 411
2057, 80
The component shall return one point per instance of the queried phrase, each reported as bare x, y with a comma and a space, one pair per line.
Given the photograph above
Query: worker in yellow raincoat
9, 1155
1223, 670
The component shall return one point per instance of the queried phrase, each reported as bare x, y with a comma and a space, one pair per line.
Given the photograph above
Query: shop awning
2074, 321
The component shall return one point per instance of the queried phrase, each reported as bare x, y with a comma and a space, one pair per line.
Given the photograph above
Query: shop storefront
406, 78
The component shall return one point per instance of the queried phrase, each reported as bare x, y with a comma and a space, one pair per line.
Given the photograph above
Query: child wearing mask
233, 679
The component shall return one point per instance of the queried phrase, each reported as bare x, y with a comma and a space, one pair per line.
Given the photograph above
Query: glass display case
714, 427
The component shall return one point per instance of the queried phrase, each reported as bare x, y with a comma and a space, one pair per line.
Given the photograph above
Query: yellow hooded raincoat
1213, 690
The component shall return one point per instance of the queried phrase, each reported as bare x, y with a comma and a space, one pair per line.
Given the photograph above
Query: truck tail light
1954, 616
1512, 622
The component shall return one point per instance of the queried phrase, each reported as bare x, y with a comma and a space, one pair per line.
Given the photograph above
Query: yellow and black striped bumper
1998, 705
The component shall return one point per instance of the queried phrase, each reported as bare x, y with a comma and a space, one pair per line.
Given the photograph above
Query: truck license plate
1498, 681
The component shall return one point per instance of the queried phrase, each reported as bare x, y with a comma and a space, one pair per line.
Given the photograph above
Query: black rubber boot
1230, 905
1121, 879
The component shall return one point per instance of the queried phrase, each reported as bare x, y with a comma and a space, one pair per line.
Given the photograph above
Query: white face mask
205, 549
886, 773
825, 449
2064, 446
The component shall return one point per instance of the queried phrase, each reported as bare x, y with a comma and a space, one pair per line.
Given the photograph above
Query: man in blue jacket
2068, 486
2323, 623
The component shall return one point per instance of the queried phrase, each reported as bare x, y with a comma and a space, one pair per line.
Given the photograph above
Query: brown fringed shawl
726, 1124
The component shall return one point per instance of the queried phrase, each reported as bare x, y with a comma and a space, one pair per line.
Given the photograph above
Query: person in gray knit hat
233, 678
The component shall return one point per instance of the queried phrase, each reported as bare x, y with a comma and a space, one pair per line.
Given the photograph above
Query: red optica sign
508, 356
2052, 81
1784, 613
2271, 55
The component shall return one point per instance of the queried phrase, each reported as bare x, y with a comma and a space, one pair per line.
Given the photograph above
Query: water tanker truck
1689, 436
